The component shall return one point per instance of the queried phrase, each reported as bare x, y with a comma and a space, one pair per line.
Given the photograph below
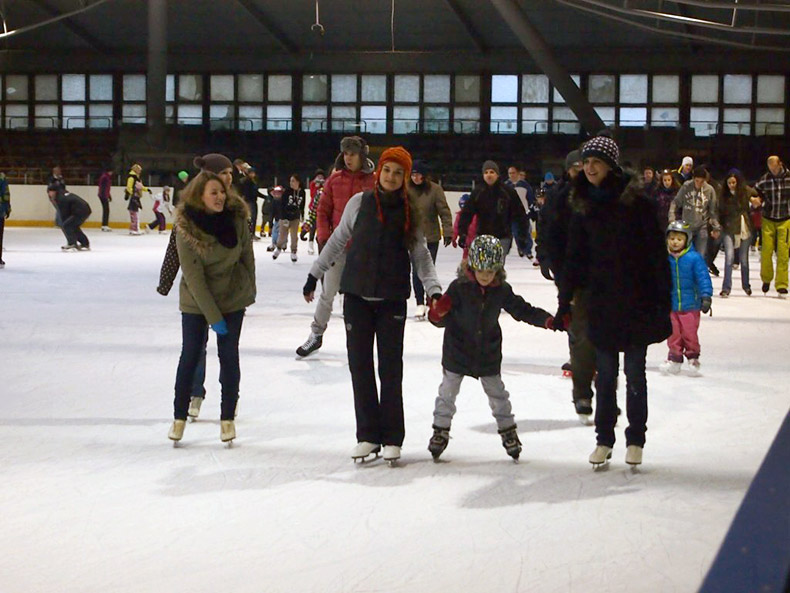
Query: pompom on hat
603, 148
213, 162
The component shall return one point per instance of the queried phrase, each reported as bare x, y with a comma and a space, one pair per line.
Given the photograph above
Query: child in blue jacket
691, 294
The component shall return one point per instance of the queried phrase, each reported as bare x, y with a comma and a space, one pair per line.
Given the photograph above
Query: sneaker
724, 294
227, 430
633, 455
510, 441
600, 455
694, 367
766, 287
311, 248
69, 247
194, 407
277, 252
293, 257
748, 291
364, 449
782, 293
313, 343
177, 430
670, 367
439, 441
391, 453
584, 410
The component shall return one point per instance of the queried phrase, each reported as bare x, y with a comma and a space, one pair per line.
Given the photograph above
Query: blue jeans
608, 364
419, 290
194, 332
743, 259
524, 246
700, 240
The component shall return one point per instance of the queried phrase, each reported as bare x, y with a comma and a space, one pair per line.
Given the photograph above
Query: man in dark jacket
73, 212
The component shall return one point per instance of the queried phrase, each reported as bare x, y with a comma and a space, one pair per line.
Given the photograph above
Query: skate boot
69, 247
277, 252
633, 455
567, 371
293, 257
177, 430
311, 248
439, 441
694, 367
270, 247
781, 293
601, 455
227, 430
194, 407
363, 450
670, 367
106, 229
421, 312
313, 343
510, 441
766, 287
81, 247
584, 410
391, 454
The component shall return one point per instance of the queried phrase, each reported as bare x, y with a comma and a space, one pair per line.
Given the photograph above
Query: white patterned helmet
486, 253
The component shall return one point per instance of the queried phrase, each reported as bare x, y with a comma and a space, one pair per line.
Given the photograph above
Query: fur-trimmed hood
625, 184
198, 239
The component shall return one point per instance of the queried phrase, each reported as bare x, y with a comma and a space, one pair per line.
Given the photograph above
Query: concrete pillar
157, 72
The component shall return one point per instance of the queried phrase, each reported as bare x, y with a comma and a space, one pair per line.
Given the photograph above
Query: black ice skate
439, 441
510, 441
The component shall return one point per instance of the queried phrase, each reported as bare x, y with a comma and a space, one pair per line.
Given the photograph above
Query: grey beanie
574, 159
490, 165
213, 162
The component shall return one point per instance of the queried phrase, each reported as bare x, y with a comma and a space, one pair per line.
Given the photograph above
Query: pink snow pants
684, 338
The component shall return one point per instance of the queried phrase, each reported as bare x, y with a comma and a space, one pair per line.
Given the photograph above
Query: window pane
190, 88
16, 116
737, 88
405, 120
374, 118
665, 117
314, 87
170, 87
407, 88
436, 119
436, 89
251, 116
558, 97
133, 114
633, 116
467, 88
101, 87
16, 88
633, 88
279, 90
704, 88
46, 116
466, 120
251, 88
535, 88
666, 88
504, 120
170, 114
565, 121
278, 117
46, 88
100, 115
344, 88
73, 116
504, 89
770, 89
190, 115
535, 120
601, 88
374, 88
606, 114
221, 117
73, 87
769, 121
704, 120
344, 119
222, 87
314, 118
737, 121
134, 87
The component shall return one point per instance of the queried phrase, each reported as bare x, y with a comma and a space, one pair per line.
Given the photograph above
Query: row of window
400, 103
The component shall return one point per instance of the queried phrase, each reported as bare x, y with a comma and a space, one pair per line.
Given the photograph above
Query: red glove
438, 308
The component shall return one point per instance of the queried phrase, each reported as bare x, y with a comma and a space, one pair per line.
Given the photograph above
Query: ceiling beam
473, 34
78, 30
272, 29
683, 10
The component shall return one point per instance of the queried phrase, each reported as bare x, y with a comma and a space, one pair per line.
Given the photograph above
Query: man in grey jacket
697, 199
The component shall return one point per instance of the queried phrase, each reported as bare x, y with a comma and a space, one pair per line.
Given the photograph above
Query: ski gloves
706, 302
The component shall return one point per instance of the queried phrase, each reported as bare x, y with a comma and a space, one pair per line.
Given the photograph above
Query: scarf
219, 225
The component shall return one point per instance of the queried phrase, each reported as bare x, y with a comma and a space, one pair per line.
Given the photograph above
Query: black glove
447, 240
462, 241
562, 318
310, 285
706, 302
545, 269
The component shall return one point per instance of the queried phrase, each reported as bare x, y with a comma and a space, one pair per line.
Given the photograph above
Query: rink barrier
755, 553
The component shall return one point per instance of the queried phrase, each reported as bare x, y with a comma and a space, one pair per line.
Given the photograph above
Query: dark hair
319, 172
675, 185
700, 172
296, 176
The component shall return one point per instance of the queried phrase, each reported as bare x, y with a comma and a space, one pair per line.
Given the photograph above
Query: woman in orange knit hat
382, 238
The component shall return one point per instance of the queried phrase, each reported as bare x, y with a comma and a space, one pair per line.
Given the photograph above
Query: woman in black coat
617, 250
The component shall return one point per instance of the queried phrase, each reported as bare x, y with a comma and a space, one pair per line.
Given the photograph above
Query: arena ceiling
396, 35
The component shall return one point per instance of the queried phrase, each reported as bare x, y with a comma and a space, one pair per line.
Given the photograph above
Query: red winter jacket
338, 189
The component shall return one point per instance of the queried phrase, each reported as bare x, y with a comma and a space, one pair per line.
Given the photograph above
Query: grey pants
323, 309
498, 399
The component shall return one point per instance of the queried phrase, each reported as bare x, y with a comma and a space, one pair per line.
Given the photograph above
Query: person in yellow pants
774, 194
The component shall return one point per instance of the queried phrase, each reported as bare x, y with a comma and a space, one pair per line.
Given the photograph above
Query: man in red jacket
353, 174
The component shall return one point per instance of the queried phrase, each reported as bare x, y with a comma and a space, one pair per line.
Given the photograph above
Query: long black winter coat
497, 207
472, 336
618, 251
555, 218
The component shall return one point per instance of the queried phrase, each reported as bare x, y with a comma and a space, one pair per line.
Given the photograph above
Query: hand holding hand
562, 318
447, 240
438, 307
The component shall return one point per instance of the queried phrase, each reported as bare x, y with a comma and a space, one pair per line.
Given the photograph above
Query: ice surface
94, 498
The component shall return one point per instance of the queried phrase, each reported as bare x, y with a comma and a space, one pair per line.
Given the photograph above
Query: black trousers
105, 212
194, 333
71, 228
581, 349
379, 420
608, 363
253, 216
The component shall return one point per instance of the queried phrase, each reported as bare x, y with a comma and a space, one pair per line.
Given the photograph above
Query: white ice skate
176, 431
694, 367
421, 312
391, 454
69, 247
293, 257
311, 248
227, 431
363, 450
194, 408
276, 253
600, 456
106, 229
633, 455
670, 367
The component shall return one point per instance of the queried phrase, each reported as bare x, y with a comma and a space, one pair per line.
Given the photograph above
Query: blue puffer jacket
690, 280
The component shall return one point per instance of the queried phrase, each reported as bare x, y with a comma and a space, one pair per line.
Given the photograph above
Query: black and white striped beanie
604, 148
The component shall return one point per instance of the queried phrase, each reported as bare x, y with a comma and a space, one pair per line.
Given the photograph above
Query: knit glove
310, 285
220, 327
439, 307
706, 302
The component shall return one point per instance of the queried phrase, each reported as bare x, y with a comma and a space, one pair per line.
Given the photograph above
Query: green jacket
215, 279
431, 205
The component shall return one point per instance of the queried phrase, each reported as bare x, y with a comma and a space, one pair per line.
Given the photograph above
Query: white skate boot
194, 408
311, 248
600, 456
277, 252
176, 430
227, 431
293, 256
421, 312
670, 367
633, 455
694, 367
391, 454
363, 450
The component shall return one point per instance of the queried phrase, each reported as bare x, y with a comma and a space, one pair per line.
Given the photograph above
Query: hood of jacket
201, 241
625, 187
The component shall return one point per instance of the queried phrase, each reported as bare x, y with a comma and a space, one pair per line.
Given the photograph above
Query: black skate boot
313, 343
439, 441
510, 441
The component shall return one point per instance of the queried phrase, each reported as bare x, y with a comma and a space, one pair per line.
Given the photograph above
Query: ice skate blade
393, 462
600, 466
366, 459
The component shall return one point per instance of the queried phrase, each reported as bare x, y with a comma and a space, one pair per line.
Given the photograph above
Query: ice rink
94, 498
